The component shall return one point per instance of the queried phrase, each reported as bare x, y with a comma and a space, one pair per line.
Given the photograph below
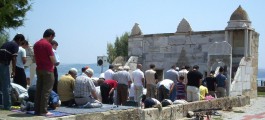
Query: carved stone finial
136, 30
184, 26
239, 14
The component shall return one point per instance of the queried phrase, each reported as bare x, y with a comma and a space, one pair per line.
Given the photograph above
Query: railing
260, 82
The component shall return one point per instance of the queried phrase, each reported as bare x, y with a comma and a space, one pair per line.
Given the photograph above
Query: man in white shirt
22, 93
183, 72
138, 80
54, 48
165, 88
20, 77
108, 74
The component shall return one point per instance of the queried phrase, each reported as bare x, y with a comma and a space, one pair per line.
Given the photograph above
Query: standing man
45, 61
124, 79
183, 72
108, 74
54, 48
138, 80
151, 81
194, 82
221, 83
8, 52
211, 83
173, 75
20, 77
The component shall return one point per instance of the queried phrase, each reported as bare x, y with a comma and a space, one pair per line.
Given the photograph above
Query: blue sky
84, 27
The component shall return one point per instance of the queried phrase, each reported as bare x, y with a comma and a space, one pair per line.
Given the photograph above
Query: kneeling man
85, 91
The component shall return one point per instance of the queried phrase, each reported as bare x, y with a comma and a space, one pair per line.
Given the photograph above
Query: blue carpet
54, 113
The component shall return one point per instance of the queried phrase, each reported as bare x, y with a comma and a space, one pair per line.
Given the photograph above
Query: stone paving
254, 111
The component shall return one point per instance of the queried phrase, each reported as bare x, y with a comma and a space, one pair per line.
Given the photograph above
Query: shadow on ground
20, 115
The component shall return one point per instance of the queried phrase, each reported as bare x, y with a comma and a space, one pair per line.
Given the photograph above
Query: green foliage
119, 48
111, 52
3, 37
12, 13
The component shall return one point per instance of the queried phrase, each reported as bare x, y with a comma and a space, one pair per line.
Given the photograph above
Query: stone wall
172, 112
165, 50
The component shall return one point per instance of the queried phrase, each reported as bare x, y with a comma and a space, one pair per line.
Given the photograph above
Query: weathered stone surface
150, 114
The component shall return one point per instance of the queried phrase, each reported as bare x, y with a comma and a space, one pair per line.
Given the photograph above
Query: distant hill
64, 68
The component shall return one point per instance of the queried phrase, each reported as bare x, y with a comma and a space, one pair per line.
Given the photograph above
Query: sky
84, 27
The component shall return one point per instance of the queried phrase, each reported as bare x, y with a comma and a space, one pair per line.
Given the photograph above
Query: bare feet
47, 114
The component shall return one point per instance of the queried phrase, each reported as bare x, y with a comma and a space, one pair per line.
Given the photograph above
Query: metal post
101, 68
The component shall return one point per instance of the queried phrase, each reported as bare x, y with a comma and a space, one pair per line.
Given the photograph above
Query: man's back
172, 75
210, 81
220, 80
122, 77
83, 86
194, 78
138, 75
184, 73
150, 76
66, 87
7, 51
108, 74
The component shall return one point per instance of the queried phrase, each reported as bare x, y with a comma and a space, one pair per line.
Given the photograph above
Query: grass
261, 93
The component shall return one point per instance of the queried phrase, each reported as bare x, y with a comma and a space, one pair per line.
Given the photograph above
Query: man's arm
52, 58
171, 88
156, 78
143, 81
14, 60
24, 60
94, 94
111, 91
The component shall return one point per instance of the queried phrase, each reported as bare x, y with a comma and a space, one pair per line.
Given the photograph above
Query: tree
3, 37
111, 52
119, 48
12, 13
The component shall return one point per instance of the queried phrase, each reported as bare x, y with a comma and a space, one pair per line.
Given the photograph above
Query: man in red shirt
45, 61
107, 89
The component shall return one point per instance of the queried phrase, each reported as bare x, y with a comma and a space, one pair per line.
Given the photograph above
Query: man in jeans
8, 52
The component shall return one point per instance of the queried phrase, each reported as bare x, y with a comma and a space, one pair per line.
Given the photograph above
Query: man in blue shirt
221, 83
8, 52
173, 75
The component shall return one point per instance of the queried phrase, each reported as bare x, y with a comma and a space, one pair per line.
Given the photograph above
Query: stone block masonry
172, 112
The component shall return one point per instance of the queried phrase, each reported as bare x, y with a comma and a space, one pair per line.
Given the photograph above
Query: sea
64, 68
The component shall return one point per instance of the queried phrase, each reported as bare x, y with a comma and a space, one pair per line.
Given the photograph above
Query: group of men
116, 86
45, 61
81, 90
